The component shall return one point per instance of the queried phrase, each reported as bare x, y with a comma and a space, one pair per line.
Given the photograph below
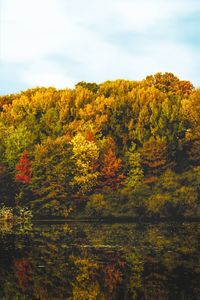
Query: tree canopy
62, 146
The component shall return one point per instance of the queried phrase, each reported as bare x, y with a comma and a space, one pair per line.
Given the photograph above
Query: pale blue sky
61, 42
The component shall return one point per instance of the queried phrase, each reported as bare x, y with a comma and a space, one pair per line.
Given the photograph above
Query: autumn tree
110, 174
169, 83
174, 195
52, 174
15, 141
23, 169
134, 168
92, 86
155, 159
85, 154
191, 112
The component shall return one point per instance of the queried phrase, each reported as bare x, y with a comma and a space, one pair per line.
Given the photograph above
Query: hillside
120, 148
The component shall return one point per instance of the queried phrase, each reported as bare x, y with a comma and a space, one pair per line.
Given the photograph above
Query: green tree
16, 140
135, 174
52, 175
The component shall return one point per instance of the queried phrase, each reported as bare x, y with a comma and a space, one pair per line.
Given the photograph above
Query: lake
84, 261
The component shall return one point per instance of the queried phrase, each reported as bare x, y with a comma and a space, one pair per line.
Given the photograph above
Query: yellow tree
85, 155
191, 112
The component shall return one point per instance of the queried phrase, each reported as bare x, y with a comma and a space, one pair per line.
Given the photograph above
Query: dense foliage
117, 148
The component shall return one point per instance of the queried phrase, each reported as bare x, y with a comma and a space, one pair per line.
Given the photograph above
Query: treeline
120, 148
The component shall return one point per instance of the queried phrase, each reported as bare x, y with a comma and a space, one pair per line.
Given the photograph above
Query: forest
117, 149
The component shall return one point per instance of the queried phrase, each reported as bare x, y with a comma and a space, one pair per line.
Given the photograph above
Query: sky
61, 42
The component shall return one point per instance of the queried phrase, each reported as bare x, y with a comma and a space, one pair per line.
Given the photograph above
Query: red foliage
90, 136
110, 165
113, 271
112, 277
23, 169
22, 267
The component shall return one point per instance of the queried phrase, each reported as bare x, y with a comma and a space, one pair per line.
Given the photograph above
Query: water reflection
100, 261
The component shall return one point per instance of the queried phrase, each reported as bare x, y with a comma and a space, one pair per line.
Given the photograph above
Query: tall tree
155, 160
52, 174
110, 174
85, 154
23, 168
135, 172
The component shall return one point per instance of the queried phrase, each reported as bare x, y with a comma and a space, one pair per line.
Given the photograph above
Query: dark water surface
86, 261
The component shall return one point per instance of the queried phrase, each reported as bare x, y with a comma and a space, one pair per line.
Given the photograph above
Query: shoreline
111, 220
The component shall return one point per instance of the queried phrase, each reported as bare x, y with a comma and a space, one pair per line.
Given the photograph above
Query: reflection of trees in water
119, 261
155, 280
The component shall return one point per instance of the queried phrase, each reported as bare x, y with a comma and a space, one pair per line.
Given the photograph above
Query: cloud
32, 29
44, 73
145, 15
61, 42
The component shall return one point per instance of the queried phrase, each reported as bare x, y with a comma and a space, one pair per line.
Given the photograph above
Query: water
86, 261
